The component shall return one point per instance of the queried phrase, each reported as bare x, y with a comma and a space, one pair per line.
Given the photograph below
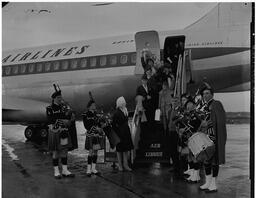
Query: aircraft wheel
43, 133
29, 132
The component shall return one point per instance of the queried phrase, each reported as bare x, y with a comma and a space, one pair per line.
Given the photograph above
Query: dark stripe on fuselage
200, 53
111, 61
222, 77
196, 53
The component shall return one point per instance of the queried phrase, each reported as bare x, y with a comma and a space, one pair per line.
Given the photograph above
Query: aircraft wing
23, 111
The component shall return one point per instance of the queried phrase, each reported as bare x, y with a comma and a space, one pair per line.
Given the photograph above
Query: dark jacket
142, 92
218, 117
55, 112
148, 104
59, 131
121, 127
89, 120
93, 134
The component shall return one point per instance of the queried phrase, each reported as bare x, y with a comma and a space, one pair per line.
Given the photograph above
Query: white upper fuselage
106, 66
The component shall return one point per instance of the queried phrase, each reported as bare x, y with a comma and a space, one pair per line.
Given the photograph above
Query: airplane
217, 48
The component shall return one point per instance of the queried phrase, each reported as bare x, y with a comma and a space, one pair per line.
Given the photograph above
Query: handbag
157, 115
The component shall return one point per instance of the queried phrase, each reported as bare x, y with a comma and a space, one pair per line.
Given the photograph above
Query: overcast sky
24, 25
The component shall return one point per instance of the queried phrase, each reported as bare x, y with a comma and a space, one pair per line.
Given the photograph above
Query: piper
59, 141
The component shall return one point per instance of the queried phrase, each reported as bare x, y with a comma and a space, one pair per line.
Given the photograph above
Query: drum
201, 146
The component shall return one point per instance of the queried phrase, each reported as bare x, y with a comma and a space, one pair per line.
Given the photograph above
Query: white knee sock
65, 170
213, 184
208, 180
56, 171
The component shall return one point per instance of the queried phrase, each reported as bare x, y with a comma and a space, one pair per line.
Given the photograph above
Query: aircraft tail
225, 15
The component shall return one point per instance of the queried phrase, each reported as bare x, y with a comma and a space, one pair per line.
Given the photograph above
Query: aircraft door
146, 41
176, 57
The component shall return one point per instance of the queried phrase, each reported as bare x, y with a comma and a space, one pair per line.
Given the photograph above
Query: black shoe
211, 191
202, 189
69, 175
194, 182
88, 174
98, 173
57, 177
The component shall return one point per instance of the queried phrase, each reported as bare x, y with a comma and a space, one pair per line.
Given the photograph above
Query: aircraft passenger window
74, 63
133, 58
31, 68
15, 70
64, 64
48, 66
56, 65
7, 70
123, 59
113, 60
103, 61
93, 62
39, 67
23, 68
83, 63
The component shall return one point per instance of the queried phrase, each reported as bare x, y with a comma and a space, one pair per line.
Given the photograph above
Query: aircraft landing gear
36, 133
29, 132
43, 133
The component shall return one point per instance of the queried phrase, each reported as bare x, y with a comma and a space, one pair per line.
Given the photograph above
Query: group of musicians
199, 123
195, 127
184, 118
63, 136
189, 124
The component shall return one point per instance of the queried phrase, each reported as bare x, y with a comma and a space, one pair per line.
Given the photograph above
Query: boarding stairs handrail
180, 75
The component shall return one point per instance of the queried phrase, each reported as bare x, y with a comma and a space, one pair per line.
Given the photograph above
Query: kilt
90, 141
56, 143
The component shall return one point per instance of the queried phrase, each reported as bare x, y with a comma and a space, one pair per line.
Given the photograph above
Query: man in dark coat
216, 129
145, 91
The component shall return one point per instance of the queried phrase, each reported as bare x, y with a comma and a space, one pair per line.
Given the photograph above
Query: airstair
155, 147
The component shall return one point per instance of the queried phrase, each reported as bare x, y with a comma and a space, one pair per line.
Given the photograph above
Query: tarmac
27, 172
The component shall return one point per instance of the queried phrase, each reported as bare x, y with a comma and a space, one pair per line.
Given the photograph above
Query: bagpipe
65, 107
198, 142
182, 121
104, 121
183, 117
202, 107
64, 123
